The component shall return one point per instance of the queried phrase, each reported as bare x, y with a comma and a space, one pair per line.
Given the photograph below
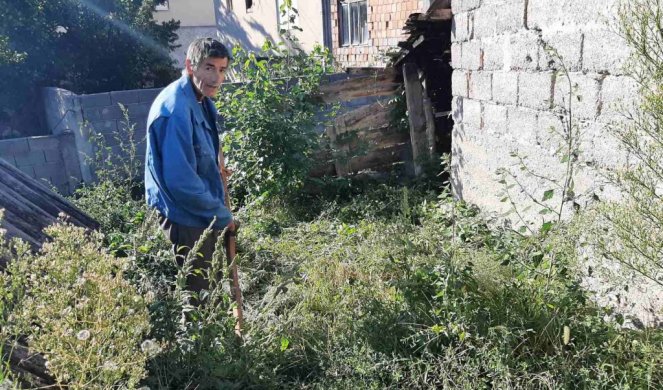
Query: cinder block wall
386, 19
100, 114
50, 158
507, 95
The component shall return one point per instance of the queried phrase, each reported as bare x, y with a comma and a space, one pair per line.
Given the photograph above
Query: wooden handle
230, 253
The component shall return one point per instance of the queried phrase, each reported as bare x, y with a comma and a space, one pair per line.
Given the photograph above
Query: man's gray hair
203, 48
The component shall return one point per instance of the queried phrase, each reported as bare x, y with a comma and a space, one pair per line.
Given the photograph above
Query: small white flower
83, 335
150, 347
109, 366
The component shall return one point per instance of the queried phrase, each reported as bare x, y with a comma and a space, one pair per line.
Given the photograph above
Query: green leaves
271, 118
548, 195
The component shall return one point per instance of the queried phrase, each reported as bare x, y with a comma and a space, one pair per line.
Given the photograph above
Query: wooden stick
230, 253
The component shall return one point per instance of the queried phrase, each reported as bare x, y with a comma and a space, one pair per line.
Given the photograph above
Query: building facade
365, 31
197, 19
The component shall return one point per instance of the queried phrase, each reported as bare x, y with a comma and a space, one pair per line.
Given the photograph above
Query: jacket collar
187, 87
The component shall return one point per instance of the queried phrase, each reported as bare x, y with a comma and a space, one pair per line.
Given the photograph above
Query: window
354, 26
230, 4
249, 5
162, 7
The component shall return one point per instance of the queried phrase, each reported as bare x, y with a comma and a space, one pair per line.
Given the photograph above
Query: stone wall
51, 158
508, 95
386, 19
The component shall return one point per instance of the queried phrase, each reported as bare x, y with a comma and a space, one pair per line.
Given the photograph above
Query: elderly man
184, 169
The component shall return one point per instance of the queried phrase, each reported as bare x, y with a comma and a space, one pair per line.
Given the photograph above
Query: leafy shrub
73, 304
271, 117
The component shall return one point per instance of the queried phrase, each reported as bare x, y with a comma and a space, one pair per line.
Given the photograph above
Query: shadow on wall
232, 32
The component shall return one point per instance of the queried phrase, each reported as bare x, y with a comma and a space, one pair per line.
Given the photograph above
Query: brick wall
386, 19
50, 158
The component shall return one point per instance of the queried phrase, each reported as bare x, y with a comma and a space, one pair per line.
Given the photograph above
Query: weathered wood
416, 116
366, 117
340, 152
430, 127
31, 206
379, 84
381, 157
28, 365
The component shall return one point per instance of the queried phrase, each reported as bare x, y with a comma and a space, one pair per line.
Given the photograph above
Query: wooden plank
366, 117
381, 157
381, 84
416, 116
30, 206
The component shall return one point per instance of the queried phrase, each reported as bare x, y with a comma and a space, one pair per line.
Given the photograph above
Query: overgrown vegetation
271, 118
362, 285
635, 237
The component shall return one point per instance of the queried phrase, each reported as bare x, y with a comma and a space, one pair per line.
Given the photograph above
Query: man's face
209, 75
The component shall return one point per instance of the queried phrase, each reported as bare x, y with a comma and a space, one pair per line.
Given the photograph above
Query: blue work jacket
182, 179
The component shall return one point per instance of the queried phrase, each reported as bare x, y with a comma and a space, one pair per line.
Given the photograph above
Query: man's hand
226, 172
231, 226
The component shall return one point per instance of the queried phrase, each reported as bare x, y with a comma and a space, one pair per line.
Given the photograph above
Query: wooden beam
416, 115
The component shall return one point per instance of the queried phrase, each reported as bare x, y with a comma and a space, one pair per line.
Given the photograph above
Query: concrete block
472, 58
567, 45
49, 172
584, 97
125, 97
604, 52
510, 17
464, 5
53, 155
9, 147
550, 130
545, 14
480, 85
535, 90
98, 114
44, 143
505, 87
473, 113
138, 110
619, 96
522, 125
30, 158
104, 127
459, 83
494, 118
148, 95
95, 100
456, 55
28, 170
485, 22
602, 148
522, 51
461, 27
493, 54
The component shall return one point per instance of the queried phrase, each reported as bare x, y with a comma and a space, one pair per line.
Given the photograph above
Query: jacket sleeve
180, 174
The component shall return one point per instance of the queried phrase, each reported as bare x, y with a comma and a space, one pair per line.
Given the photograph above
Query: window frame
345, 25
